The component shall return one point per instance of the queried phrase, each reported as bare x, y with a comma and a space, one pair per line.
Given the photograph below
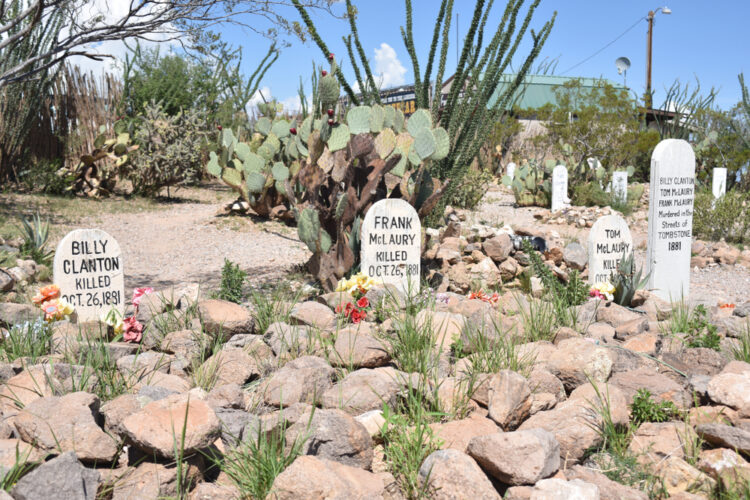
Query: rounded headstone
88, 268
609, 241
391, 244
670, 219
560, 198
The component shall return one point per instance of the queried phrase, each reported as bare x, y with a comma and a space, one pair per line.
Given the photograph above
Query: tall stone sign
620, 186
719, 185
670, 219
88, 268
560, 198
391, 244
510, 170
609, 241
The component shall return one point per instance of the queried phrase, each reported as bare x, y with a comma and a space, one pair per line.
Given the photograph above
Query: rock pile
209, 378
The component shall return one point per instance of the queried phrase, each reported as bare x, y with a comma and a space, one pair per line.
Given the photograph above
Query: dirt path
187, 243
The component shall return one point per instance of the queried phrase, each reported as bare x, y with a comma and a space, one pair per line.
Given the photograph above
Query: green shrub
645, 409
701, 333
46, 176
589, 194
35, 237
232, 280
728, 217
471, 189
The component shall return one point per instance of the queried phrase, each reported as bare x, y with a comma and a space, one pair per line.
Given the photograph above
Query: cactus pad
400, 167
280, 128
377, 118
358, 119
273, 143
242, 150
424, 143
263, 125
305, 128
328, 90
232, 177
385, 142
420, 120
213, 166
326, 161
301, 145
390, 116
255, 182
442, 143
341, 205
339, 137
398, 121
254, 163
265, 152
280, 171
308, 228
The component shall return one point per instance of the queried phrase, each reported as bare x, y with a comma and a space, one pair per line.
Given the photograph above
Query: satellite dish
623, 63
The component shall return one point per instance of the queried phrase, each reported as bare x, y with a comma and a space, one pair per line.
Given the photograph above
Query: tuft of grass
32, 340
232, 281
741, 352
98, 372
254, 464
21, 466
412, 345
272, 305
407, 443
493, 353
538, 320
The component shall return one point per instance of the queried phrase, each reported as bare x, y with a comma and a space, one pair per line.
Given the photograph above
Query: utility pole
649, 102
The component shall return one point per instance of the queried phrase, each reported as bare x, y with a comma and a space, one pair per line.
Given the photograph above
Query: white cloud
252, 104
389, 69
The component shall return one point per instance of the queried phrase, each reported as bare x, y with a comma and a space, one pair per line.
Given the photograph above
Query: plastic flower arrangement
130, 328
113, 318
140, 292
354, 312
480, 295
133, 330
604, 290
49, 301
356, 286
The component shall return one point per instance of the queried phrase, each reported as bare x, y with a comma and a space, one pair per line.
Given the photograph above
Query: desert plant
645, 409
232, 281
97, 173
170, 149
727, 218
475, 100
30, 340
741, 351
532, 183
35, 234
627, 280
701, 332
471, 188
272, 305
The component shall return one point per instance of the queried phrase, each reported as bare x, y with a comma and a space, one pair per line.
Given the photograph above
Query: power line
600, 50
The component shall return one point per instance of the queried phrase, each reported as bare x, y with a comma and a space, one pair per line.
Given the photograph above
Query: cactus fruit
324, 72
330, 112
293, 131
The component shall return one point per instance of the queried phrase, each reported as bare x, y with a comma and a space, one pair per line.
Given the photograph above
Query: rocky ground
440, 396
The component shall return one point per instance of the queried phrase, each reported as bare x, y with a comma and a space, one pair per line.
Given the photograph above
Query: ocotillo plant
475, 100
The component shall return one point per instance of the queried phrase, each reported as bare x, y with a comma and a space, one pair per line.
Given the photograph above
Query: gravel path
187, 243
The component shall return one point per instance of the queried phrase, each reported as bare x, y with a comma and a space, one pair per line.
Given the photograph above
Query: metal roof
540, 89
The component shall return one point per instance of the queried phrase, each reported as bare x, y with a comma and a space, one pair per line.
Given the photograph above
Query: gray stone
233, 422
575, 256
452, 474
155, 393
498, 248
515, 458
6, 281
61, 477
16, 314
725, 436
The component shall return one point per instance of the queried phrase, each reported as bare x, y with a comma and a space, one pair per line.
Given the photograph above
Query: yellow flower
56, 309
113, 319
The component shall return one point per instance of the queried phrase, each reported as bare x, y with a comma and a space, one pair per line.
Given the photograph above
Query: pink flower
133, 330
140, 292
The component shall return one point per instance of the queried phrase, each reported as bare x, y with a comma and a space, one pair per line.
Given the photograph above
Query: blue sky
707, 40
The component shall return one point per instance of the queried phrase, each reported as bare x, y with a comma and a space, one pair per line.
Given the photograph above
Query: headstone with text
560, 198
719, 185
670, 219
511, 170
609, 241
88, 268
620, 186
391, 244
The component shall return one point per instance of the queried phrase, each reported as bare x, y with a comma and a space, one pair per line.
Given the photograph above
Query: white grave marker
88, 268
510, 169
391, 244
609, 241
560, 198
670, 219
620, 186
719, 185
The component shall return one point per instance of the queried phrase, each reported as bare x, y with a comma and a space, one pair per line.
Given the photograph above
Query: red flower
133, 330
363, 302
349, 308
356, 316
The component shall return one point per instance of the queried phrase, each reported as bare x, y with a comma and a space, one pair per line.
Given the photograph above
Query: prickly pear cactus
532, 183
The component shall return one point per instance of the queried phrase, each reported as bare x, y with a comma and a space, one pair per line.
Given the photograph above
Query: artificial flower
363, 302
356, 316
140, 292
56, 309
603, 290
113, 319
133, 330
726, 306
480, 295
45, 294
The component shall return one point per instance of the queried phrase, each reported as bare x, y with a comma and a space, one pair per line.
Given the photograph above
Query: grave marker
719, 185
391, 244
670, 219
511, 170
560, 198
609, 241
88, 268
620, 186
